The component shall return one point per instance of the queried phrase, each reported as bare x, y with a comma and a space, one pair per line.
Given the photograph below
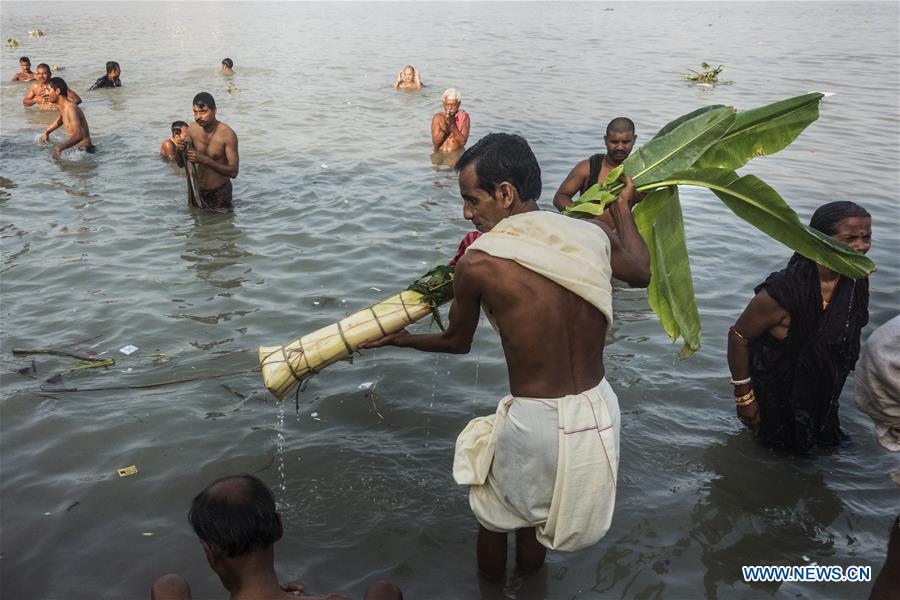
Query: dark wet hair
25, 59
43, 66
204, 98
827, 216
110, 65
500, 157
238, 519
58, 83
228, 62
620, 125
178, 125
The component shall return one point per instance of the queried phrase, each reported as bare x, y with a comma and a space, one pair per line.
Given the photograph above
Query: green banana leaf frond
671, 291
762, 131
667, 155
753, 200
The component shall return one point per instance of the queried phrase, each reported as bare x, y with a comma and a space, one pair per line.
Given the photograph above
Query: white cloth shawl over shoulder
569, 252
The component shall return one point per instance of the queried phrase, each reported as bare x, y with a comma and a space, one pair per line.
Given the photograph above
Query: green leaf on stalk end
613, 176
753, 200
671, 291
669, 154
673, 124
762, 131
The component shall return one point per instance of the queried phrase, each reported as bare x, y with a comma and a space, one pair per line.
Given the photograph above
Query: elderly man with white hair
450, 127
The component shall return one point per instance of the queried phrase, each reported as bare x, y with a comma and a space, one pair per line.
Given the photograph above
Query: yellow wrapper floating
285, 366
132, 470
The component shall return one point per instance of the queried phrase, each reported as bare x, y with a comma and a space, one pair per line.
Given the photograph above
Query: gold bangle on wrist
748, 398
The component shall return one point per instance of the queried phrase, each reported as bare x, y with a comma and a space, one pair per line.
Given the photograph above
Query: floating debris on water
709, 75
12, 42
127, 471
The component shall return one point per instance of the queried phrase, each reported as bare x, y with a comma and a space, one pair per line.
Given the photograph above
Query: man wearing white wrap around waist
544, 466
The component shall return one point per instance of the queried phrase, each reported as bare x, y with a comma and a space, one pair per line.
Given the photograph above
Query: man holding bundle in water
619, 141
213, 147
545, 465
71, 117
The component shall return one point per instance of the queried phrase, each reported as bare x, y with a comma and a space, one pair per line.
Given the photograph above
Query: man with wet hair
168, 149
450, 128
37, 93
227, 66
213, 146
619, 141
25, 73
238, 526
71, 117
111, 79
544, 466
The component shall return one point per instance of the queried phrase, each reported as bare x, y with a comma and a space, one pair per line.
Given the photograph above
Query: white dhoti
544, 463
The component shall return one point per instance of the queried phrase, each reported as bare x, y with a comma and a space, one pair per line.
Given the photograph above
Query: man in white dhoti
545, 464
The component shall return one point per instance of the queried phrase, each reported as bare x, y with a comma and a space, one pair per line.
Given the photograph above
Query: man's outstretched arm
464, 311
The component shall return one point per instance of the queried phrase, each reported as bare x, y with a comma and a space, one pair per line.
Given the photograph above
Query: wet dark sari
798, 380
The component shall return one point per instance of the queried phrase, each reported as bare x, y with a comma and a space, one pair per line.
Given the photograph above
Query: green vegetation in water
436, 287
703, 149
709, 75
12, 42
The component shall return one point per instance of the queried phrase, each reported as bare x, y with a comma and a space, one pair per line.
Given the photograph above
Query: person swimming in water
111, 79
227, 66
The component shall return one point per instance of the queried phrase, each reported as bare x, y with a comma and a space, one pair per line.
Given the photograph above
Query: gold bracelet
748, 398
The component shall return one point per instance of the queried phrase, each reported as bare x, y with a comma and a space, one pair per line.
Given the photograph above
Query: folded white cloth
878, 383
544, 463
571, 253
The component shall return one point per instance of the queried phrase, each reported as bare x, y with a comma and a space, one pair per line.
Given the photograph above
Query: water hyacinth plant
703, 149
709, 74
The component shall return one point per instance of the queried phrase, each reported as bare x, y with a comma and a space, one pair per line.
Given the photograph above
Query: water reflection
761, 509
213, 248
445, 161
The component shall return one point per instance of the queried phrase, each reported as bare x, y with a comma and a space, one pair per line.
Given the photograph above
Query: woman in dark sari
794, 345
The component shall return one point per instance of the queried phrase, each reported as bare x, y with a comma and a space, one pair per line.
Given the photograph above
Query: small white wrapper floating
129, 349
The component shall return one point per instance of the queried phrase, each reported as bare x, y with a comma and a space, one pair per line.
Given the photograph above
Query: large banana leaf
671, 292
752, 200
762, 131
673, 124
667, 155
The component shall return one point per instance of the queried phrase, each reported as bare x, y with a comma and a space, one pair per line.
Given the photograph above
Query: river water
337, 206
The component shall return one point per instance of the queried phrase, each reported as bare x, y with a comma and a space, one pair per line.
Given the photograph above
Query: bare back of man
71, 118
527, 306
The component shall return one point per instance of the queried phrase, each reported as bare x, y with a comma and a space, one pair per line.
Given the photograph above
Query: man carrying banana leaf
545, 465
619, 141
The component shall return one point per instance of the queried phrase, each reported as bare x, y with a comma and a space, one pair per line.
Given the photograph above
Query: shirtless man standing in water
39, 90
71, 117
450, 128
214, 149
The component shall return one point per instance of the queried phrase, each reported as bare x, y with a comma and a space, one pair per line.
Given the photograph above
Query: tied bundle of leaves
703, 149
283, 367
709, 74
